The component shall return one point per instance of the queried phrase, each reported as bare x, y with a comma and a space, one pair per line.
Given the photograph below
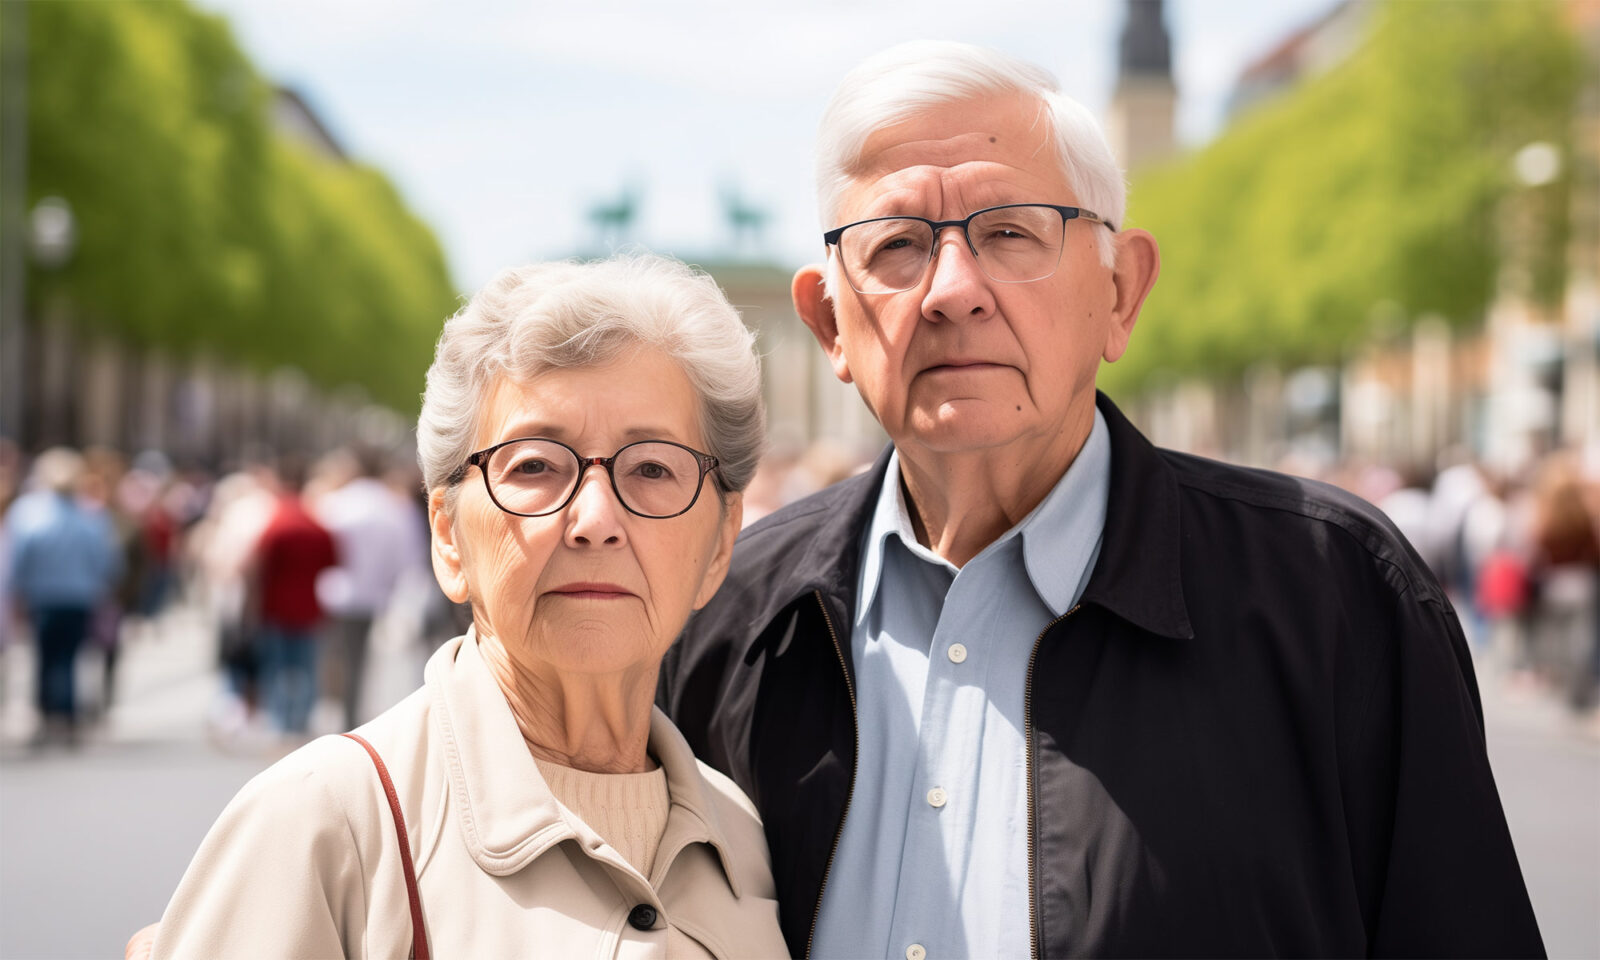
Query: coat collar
826, 559
506, 812
1138, 575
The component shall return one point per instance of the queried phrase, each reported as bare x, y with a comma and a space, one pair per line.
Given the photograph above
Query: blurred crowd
292, 564
1519, 555
288, 564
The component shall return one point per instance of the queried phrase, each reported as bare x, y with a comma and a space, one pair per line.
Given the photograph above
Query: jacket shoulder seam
1361, 530
772, 523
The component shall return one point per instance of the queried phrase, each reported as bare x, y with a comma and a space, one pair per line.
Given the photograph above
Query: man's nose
959, 289
595, 515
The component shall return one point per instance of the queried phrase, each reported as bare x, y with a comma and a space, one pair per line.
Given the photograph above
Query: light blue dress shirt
933, 858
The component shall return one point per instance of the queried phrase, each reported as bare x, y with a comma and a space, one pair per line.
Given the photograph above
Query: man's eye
1009, 233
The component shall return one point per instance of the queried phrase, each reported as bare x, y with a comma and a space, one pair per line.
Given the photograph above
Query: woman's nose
595, 516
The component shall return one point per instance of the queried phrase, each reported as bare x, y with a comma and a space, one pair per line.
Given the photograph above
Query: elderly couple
1029, 686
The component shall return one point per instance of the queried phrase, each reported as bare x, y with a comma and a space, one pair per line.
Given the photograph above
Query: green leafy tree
1374, 190
199, 226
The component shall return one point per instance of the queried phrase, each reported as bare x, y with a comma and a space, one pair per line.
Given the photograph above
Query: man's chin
966, 425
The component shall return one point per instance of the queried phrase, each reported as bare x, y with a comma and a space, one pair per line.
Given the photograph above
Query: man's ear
1138, 262
717, 570
816, 312
447, 566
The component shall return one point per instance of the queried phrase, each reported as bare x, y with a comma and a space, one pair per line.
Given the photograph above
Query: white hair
568, 314
911, 79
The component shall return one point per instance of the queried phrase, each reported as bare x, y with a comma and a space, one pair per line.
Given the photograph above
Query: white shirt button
957, 653
916, 952
937, 798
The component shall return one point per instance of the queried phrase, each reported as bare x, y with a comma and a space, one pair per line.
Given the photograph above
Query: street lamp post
13, 201
52, 240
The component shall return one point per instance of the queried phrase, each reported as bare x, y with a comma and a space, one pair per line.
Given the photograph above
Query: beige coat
304, 861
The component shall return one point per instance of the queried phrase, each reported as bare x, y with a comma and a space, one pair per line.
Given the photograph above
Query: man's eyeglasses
534, 477
1014, 243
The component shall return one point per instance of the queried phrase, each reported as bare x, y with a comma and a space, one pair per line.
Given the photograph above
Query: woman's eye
530, 467
653, 471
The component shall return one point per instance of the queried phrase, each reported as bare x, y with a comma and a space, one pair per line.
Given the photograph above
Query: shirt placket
939, 809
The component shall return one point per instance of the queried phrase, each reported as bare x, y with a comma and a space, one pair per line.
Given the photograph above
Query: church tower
1140, 122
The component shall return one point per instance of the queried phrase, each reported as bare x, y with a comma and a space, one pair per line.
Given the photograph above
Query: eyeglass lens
537, 476
1012, 244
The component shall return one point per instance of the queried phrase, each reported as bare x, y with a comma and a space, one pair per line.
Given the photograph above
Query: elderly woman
585, 435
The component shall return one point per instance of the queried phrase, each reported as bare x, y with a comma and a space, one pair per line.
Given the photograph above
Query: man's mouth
964, 366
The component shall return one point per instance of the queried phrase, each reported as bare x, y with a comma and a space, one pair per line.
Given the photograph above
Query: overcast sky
502, 122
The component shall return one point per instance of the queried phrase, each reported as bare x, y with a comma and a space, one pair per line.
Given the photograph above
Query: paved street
92, 842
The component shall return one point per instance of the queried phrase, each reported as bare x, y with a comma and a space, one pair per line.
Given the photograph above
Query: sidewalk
1511, 705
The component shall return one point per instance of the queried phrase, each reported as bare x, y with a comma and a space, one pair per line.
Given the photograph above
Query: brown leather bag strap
419, 934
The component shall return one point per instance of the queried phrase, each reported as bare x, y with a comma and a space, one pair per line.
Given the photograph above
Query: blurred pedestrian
63, 560
144, 498
369, 523
10, 462
292, 551
221, 546
104, 475
1567, 568
1459, 491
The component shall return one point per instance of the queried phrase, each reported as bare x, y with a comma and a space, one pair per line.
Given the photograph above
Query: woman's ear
717, 570
447, 562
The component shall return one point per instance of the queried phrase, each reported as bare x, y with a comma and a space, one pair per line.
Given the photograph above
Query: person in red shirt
293, 549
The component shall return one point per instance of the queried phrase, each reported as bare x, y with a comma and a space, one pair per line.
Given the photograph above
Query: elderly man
1031, 685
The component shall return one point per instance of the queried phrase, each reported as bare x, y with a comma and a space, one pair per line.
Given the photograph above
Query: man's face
961, 362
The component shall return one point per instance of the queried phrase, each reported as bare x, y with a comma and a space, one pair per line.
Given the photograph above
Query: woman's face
590, 588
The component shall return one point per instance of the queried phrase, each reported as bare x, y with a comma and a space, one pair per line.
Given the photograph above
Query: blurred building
1139, 122
1306, 52
805, 401
293, 117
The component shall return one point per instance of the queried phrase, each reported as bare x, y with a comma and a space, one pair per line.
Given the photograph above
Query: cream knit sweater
629, 810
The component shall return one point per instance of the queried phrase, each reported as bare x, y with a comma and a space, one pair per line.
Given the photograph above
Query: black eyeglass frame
831, 237
708, 464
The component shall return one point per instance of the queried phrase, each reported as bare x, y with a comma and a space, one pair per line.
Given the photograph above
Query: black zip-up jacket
1257, 734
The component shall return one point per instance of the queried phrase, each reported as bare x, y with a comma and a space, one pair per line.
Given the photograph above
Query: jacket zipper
839, 830
1033, 803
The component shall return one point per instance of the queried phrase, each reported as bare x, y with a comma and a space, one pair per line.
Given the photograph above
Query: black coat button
642, 917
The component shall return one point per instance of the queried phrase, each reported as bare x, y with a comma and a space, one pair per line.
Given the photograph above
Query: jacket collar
506, 813
1138, 575
827, 560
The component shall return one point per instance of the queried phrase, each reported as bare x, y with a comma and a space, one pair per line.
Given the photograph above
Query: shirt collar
890, 518
1060, 534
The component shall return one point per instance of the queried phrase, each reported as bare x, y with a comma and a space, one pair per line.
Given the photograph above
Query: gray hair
568, 314
908, 80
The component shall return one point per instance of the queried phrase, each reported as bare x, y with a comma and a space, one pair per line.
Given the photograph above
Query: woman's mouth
592, 591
